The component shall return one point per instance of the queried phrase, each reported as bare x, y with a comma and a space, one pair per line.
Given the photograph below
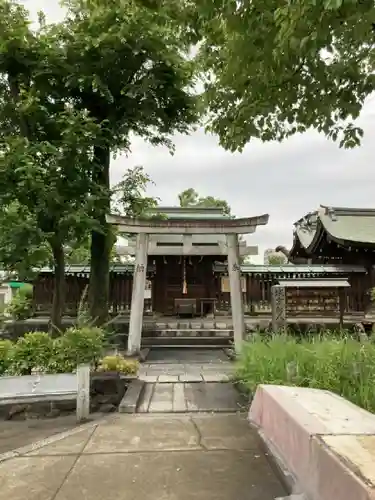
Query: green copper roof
295, 269
191, 212
349, 225
315, 283
221, 267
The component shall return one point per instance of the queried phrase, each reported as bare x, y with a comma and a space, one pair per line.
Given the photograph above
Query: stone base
326, 443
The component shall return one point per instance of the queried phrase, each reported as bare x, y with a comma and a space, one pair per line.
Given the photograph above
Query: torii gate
144, 227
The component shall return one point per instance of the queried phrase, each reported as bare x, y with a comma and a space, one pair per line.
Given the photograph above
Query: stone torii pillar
138, 294
234, 271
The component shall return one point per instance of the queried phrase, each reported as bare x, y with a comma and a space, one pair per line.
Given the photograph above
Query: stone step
186, 341
192, 325
188, 333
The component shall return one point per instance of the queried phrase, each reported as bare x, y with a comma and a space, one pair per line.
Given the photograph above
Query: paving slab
191, 377
73, 444
167, 378
167, 476
212, 397
179, 399
162, 398
34, 478
215, 377
143, 457
15, 434
226, 432
143, 434
170, 355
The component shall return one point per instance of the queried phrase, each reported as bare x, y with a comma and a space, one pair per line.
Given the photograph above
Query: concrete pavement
144, 457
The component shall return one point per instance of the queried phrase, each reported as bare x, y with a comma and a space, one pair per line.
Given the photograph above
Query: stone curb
278, 466
307, 433
132, 397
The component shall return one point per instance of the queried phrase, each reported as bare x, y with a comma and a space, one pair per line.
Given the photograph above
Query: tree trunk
59, 286
101, 241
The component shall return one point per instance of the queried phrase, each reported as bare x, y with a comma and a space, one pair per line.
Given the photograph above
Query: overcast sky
285, 180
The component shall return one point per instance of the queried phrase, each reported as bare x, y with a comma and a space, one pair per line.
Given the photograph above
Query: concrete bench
39, 388
322, 442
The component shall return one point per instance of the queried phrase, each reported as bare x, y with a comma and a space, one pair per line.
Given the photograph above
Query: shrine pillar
138, 294
234, 271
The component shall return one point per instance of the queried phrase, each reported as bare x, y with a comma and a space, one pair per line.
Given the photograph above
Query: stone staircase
189, 333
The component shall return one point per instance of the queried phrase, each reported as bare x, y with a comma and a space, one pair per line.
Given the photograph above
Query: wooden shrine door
169, 281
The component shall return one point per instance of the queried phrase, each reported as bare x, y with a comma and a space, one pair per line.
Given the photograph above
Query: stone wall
106, 393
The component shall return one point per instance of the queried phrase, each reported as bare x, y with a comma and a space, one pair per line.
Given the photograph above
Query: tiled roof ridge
349, 211
306, 220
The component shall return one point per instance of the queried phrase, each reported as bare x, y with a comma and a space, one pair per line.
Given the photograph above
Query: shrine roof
186, 225
291, 269
314, 283
346, 226
84, 270
197, 213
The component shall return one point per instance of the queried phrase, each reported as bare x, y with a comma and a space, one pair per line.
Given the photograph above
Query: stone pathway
186, 365
190, 397
145, 457
188, 380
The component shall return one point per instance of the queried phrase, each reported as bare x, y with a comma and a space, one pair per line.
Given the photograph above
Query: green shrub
33, 351
119, 364
6, 355
341, 365
75, 346
20, 307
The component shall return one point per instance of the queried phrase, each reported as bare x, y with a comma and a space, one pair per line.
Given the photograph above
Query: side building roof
345, 226
220, 267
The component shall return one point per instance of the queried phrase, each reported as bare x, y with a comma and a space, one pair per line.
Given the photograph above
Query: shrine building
187, 278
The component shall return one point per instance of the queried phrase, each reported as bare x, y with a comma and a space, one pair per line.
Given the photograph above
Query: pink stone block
296, 422
330, 478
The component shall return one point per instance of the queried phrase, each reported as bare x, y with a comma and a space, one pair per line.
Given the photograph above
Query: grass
340, 364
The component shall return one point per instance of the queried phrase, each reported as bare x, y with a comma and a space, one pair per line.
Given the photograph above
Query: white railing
49, 387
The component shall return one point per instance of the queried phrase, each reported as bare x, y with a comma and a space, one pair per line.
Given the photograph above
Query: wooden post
83, 392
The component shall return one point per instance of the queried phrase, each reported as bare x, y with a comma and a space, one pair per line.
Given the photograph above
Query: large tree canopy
276, 68
46, 151
126, 67
70, 96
